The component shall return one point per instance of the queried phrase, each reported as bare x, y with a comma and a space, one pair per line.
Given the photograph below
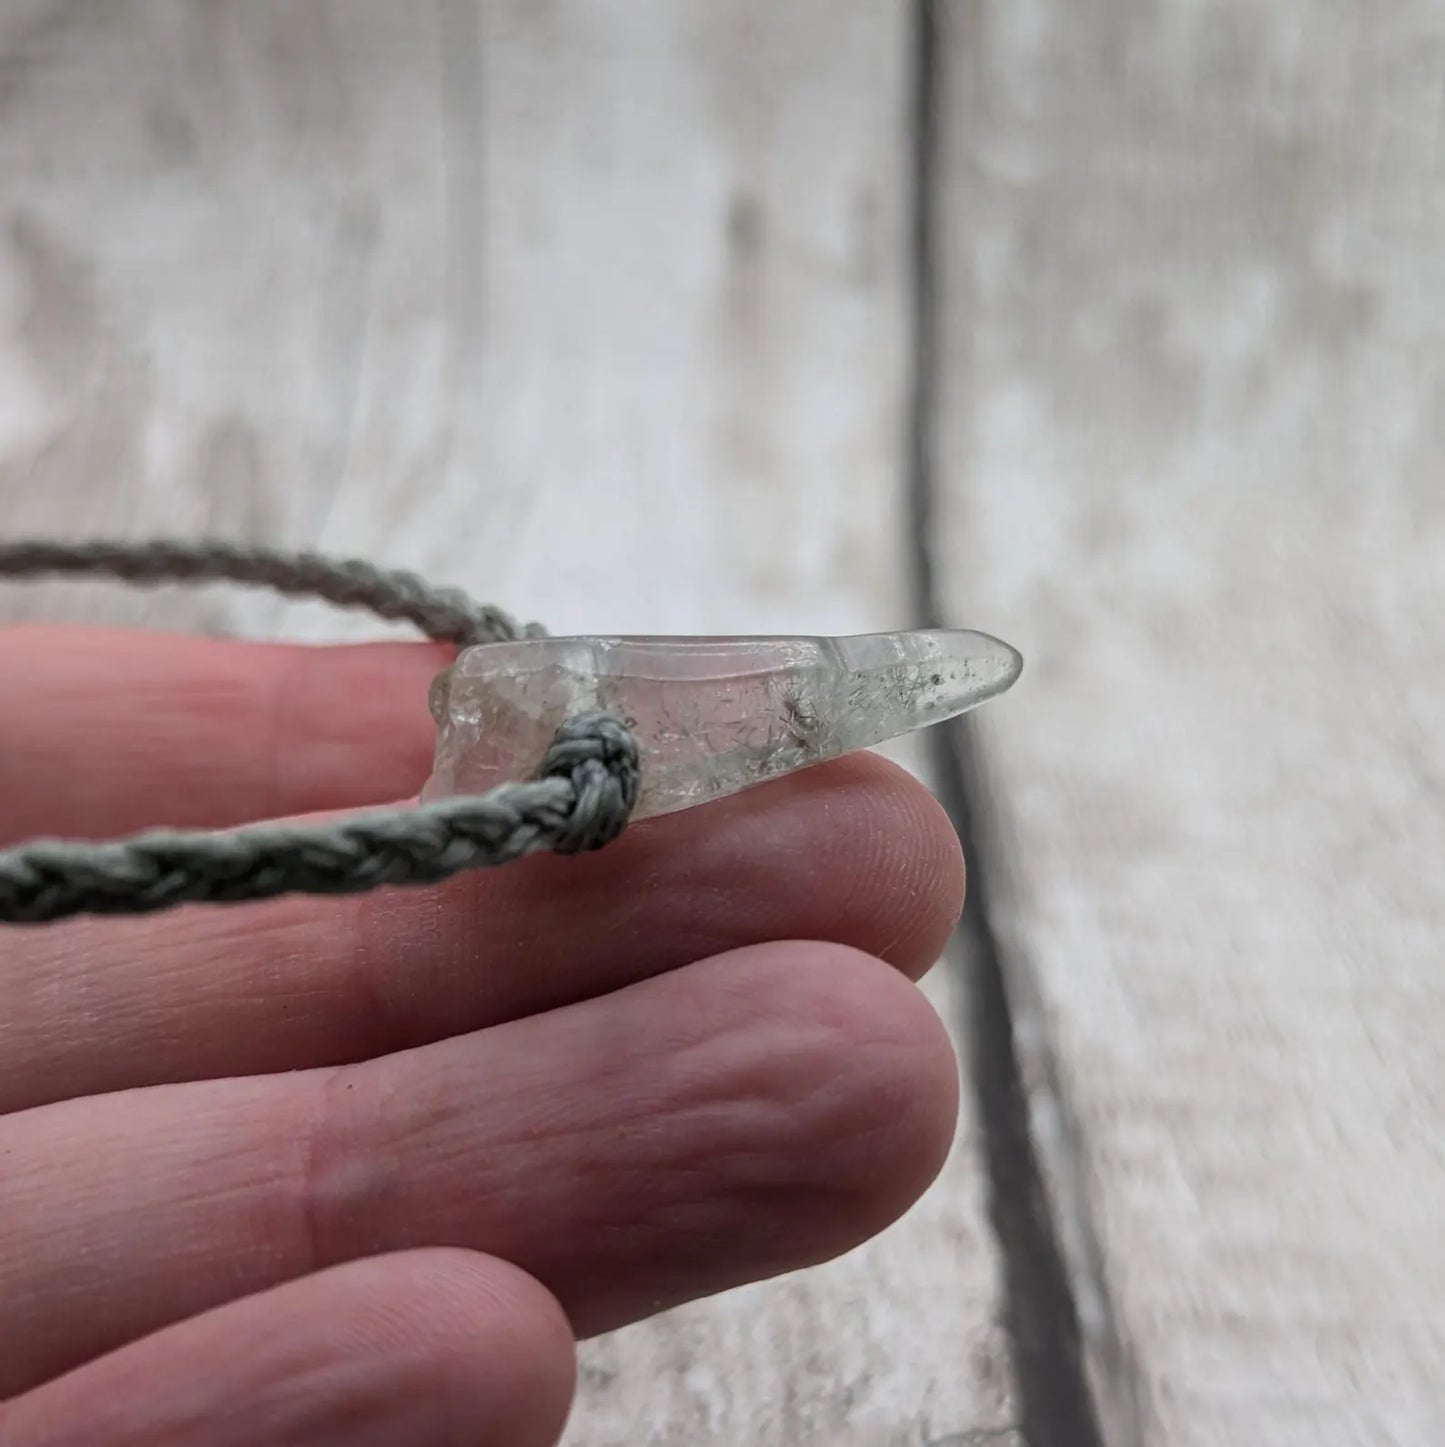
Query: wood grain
1191, 432
595, 309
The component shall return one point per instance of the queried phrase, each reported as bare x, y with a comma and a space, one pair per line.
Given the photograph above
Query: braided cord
580, 797
446, 614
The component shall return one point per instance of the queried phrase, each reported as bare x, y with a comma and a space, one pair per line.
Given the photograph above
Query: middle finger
854, 852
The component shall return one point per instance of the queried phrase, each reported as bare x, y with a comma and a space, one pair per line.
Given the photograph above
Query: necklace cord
579, 798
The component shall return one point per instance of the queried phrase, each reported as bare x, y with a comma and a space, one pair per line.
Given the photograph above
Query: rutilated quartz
711, 716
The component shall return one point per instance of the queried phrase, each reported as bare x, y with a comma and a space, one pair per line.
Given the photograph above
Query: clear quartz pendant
710, 715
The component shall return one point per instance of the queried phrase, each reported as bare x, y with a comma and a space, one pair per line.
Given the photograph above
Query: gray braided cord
446, 614
580, 797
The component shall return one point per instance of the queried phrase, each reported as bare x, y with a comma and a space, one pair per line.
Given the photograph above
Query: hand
358, 1171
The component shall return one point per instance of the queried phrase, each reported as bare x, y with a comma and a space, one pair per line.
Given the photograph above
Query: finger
428, 1348
741, 1117
110, 730
855, 852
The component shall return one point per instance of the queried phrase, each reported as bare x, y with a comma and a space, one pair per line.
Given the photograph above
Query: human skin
362, 1170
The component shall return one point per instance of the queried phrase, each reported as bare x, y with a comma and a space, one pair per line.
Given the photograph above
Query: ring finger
746, 1115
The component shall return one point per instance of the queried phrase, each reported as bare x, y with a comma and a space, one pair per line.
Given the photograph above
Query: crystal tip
993, 665
1004, 661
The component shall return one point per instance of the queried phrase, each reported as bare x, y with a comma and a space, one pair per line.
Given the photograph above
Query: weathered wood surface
599, 310
596, 309
1193, 440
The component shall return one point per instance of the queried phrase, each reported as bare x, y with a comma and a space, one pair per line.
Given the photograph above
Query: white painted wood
1194, 297
596, 309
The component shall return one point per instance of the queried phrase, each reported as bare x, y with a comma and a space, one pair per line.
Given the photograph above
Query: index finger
108, 730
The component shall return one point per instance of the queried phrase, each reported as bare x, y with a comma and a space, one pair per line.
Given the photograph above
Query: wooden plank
595, 309
1191, 431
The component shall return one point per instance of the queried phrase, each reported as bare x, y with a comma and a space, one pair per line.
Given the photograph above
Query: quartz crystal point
711, 715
